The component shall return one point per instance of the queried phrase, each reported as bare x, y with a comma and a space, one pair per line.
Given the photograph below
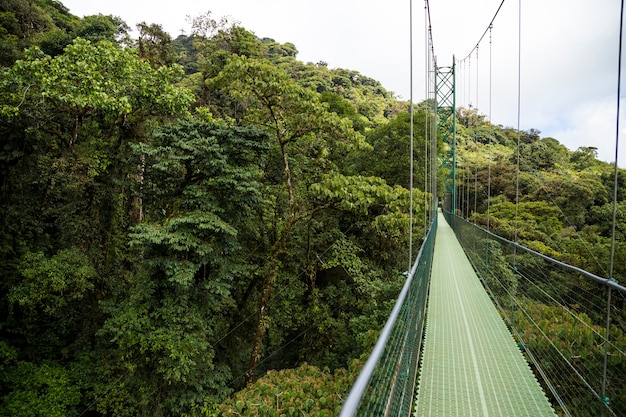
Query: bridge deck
471, 364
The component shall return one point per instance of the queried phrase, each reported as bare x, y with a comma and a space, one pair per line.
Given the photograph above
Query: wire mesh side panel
388, 386
558, 314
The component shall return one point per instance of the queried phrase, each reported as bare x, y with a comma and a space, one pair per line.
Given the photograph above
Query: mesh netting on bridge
386, 384
571, 324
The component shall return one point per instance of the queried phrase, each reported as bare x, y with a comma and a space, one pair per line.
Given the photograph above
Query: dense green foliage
180, 216
565, 211
306, 390
565, 197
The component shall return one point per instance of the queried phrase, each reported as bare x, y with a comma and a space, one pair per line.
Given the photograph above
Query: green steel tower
445, 97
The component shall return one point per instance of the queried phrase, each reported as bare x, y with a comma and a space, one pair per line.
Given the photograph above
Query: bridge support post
445, 99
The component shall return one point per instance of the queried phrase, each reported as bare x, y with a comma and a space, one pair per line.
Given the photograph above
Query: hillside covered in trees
207, 226
565, 197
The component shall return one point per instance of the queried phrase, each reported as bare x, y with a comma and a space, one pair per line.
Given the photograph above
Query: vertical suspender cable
462, 81
489, 29
461, 190
616, 171
411, 135
430, 71
469, 179
469, 82
427, 218
519, 133
490, 66
431, 109
615, 178
489, 155
475, 140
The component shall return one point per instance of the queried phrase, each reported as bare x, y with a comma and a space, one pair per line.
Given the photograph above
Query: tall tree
155, 45
199, 190
304, 135
391, 143
67, 124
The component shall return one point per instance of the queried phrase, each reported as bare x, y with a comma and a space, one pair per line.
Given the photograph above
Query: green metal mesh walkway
471, 364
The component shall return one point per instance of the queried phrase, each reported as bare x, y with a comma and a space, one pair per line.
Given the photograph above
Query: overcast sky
569, 51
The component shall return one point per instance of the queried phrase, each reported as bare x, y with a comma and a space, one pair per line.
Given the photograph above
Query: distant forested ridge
565, 197
207, 226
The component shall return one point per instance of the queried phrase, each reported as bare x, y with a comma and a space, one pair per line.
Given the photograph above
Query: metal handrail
353, 401
608, 282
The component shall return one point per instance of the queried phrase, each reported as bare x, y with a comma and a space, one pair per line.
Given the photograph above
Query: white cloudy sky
568, 55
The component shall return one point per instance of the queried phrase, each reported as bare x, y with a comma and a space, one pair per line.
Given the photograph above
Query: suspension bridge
485, 326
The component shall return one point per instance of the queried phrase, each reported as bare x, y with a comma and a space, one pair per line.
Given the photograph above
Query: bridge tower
445, 99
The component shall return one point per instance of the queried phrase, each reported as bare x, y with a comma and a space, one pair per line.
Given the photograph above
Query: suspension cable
432, 135
490, 139
411, 134
615, 178
427, 217
519, 133
476, 142
430, 34
486, 30
461, 77
431, 63
490, 66
468, 75
477, 79
616, 171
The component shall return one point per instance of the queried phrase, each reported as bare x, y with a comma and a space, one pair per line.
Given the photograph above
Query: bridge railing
570, 323
386, 384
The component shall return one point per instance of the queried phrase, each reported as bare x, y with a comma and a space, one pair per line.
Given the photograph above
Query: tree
304, 135
307, 390
215, 42
608, 179
186, 53
574, 194
99, 27
279, 53
584, 157
24, 23
155, 45
536, 221
39, 390
391, 144
545, 154
200, 188
345, 109
68, 123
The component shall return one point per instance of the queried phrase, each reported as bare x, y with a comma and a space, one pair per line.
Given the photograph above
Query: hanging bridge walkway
486, 327
471, 364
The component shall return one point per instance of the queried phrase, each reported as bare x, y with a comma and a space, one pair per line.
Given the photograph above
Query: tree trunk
268, 287
272, 273
269, 282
